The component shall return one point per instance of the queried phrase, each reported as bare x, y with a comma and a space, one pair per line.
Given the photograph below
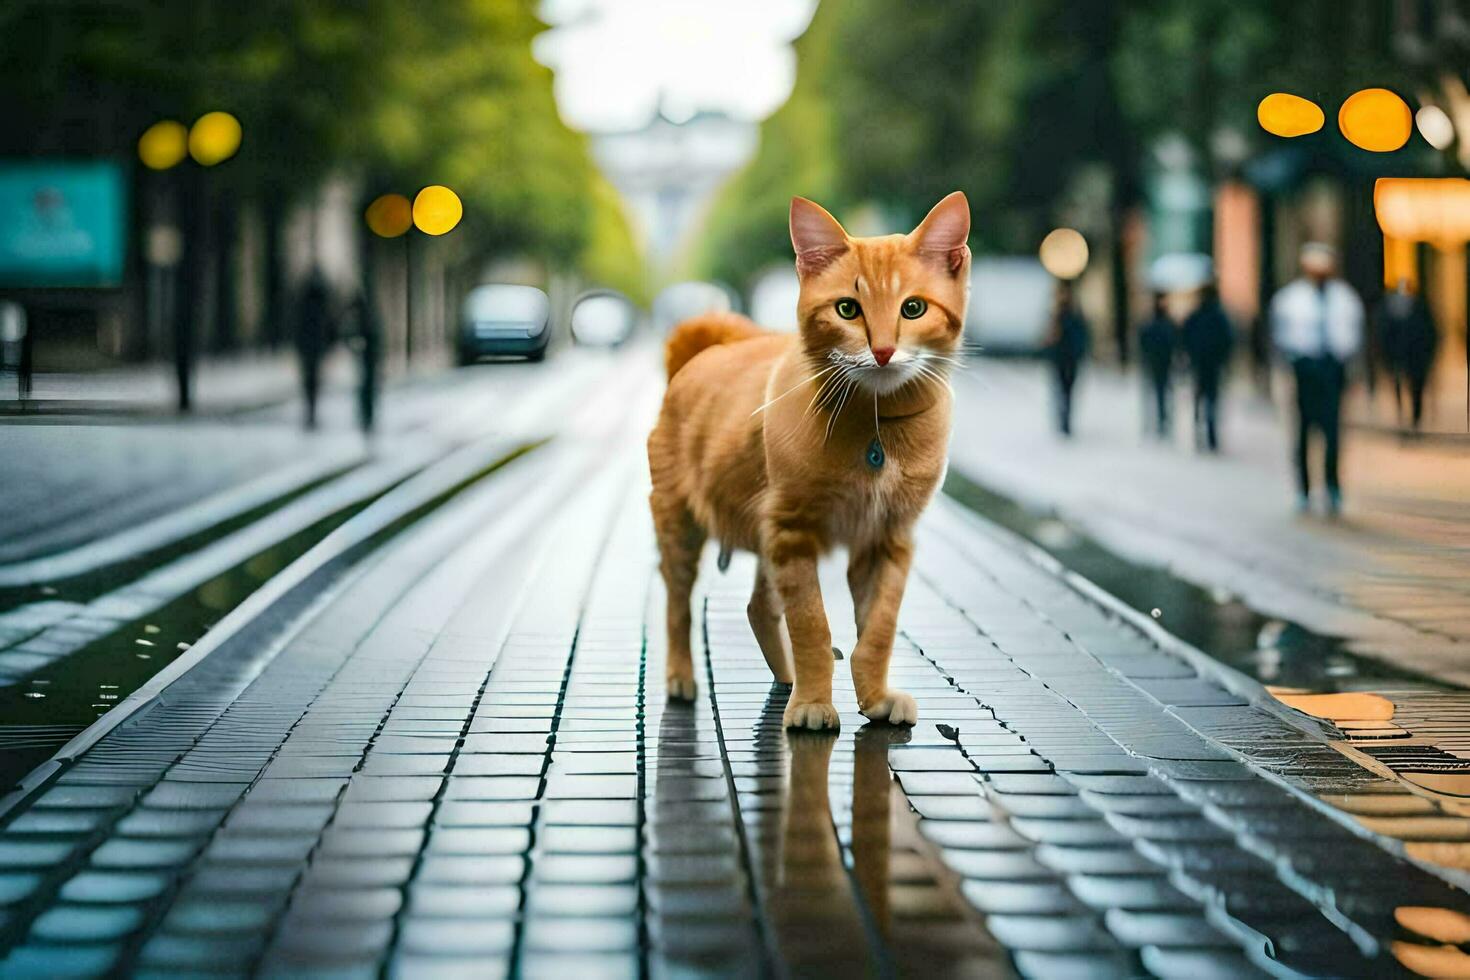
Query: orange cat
790, 445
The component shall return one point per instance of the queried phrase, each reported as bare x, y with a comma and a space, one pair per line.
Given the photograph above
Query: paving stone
348, 842
1049, 933
970, 835
24, 852
289, 819
588, 869
1039, 897
582, 935
583, 900
492, 788
502, 869
455, 937
353, 902
1208, 964
175, 795
1114, 859
15, 886
1089, 832
145, 852
37, 960
1130, 892
952, 807
113, 886
326, 871
1163, 928
86, 924
567, 839
431, 900
217, 915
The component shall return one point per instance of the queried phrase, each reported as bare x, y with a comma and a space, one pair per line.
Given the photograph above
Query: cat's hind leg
764, 612
680, 539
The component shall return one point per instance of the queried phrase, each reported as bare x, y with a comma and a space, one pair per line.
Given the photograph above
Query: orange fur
694, 335
763, 443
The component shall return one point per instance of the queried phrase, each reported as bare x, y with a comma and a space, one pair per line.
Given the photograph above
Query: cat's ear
816, 236
945, 230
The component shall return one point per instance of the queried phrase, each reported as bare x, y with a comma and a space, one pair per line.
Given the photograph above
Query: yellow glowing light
1376, 119
436, 210
1441, 925
389, 216
214, 139
1445, 962
1399, 262
1342, 707
1435, 126
1063, 253
1423, 209
1283, 114
163, 145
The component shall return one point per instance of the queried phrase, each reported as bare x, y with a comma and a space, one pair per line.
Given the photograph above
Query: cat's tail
710, 330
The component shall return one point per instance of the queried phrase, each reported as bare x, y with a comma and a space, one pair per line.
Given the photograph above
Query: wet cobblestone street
460, 761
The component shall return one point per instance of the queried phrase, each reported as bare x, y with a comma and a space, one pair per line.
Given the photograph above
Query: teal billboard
62, 223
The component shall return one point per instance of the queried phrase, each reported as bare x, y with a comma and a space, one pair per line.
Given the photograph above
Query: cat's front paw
681, 688
893, 707
813, 715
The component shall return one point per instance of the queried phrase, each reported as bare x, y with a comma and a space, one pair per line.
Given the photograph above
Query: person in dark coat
1408, 336
313, 337
366, 341
1157, 341
1208, 338
1066, 347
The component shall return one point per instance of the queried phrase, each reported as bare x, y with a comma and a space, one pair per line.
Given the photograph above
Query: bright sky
615, 60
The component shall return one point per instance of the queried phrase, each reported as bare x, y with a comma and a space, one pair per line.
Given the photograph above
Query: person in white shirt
1317, 325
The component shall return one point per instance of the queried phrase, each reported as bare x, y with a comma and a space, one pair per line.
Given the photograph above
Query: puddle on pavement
99, 582
1270, 650
1406, 728
43, 712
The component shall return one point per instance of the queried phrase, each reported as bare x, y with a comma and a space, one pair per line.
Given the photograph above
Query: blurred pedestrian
313, 337
1208, 339
1066, 346
1406, 331
1317, 324
1157, 340
367, 334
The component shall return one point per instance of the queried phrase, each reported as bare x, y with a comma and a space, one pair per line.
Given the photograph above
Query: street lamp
214, 138
435, 210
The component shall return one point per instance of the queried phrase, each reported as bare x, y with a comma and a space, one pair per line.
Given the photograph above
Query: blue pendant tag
875, 455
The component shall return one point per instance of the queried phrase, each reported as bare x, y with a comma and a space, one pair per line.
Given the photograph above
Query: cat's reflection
813, 886
872, 816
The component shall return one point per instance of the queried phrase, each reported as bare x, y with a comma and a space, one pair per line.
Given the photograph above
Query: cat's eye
913, 308
848, 308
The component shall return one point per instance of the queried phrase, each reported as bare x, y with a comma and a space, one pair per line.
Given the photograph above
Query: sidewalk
222, 385
462, 762
1392, 576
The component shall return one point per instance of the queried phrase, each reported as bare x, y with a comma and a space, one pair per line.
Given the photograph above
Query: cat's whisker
830, 394
842, 403
820, 395
788, 391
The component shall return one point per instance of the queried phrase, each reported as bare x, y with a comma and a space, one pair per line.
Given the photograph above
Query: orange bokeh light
1376, 119
1282, 114
389, 216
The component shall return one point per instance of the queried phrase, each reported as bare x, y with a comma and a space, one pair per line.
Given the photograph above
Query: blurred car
683, 300
500, 319
1010, 305
603, 318
773, 298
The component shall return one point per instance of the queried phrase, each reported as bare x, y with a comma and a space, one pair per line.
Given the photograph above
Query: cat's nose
882, 355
